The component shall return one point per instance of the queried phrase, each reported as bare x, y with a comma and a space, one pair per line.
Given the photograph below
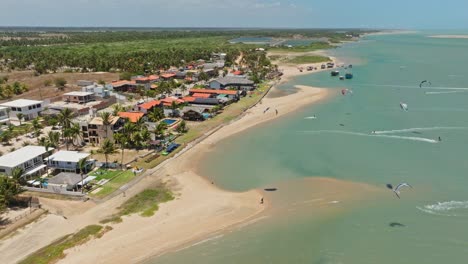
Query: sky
391, 14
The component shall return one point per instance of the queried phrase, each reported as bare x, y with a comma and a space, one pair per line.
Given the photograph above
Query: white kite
397, 189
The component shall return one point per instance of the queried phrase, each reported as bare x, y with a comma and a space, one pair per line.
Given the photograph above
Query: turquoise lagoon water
405, 147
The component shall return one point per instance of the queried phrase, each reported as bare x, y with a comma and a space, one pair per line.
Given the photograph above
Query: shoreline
199, 210
449, 36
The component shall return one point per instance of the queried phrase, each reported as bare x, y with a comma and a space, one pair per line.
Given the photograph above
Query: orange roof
237, 72
189, 99
132, 116
168, 75
149, 78
201, 95
154, 86
151, 104
211, 91
122, 83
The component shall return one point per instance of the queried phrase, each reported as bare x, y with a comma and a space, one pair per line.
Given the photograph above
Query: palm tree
36, 125
20, 117
9, 189
17, 174
64, 118
174, 107
106, 121
160, 130
83, 167
122, 138
156, 114
51, 141
107, 148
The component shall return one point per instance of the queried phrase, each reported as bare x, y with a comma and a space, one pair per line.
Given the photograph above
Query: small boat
350, 66
330, 65
335, 73
323, 66
342, 77
349, 76
310, 68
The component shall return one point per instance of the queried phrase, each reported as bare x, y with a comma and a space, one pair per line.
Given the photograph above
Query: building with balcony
30, 159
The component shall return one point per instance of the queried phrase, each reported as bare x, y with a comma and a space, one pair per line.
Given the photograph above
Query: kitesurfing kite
423, 82
404, 106
397, 189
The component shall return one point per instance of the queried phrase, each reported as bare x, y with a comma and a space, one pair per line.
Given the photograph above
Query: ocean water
427, 225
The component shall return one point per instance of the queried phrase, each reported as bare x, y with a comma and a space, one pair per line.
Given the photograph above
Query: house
29, 108
168, 76
240, 83
78, 97
201, 93
148, 106
97, 90
94, 131
144, 80
30, 159
4, 118
201, 101
195, 113
131, 116
65, 181
124, 86
67, 161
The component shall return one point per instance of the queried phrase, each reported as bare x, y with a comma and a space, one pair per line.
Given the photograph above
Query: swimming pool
169, 122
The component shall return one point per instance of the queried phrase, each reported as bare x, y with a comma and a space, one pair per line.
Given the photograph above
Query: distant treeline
131, 51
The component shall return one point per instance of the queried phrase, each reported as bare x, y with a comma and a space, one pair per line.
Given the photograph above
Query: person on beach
276, 111
261, 201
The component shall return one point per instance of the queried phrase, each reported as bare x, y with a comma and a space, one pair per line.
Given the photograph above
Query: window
29, 107
69, 163
38, 105
2, 170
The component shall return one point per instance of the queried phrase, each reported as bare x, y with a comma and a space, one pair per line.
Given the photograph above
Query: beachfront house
29, 108
213, 93
237, 82
30, 159
94, 131
67, 161
67, 182
78, 97
133, 117
4, 119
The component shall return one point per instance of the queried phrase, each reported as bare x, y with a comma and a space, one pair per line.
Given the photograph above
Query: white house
78, 97
29, 158
4, 119
98, 90
67, 161
29, 108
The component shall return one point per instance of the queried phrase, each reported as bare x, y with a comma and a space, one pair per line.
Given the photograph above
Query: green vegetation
308, 59
312, 47
138, 51
145, 203
117, 180
7, 90
55, 251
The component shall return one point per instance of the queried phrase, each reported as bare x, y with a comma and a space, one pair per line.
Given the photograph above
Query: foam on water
420, 139
443, 208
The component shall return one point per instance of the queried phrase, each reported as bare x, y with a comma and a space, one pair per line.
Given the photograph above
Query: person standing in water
276, 111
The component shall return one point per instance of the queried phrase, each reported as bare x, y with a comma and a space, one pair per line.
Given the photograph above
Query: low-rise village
77, 144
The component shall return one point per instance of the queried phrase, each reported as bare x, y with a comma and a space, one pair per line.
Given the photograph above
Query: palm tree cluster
10, 187
8, 90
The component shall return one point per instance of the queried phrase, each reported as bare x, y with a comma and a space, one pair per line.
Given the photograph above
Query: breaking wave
444, 208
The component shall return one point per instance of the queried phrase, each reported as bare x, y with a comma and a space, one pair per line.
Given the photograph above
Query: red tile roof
237, 72
151, 104
189, 99
122, 83
132, 116
201, 95
168, 75
211, 91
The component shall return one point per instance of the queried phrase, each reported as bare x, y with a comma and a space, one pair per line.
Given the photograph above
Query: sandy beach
199, 210
450, 36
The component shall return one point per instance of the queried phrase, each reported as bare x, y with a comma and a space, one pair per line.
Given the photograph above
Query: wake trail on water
442, 208
448, 92
412, 86
417, 129
420, 139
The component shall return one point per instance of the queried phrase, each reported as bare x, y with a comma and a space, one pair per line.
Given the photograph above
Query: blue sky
418, 14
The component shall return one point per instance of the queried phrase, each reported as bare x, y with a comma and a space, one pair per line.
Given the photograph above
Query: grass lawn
308, 59
118, 179
145, 203
54, 252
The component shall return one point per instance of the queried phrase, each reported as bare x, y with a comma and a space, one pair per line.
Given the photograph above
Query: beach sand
450, 36
200, 208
